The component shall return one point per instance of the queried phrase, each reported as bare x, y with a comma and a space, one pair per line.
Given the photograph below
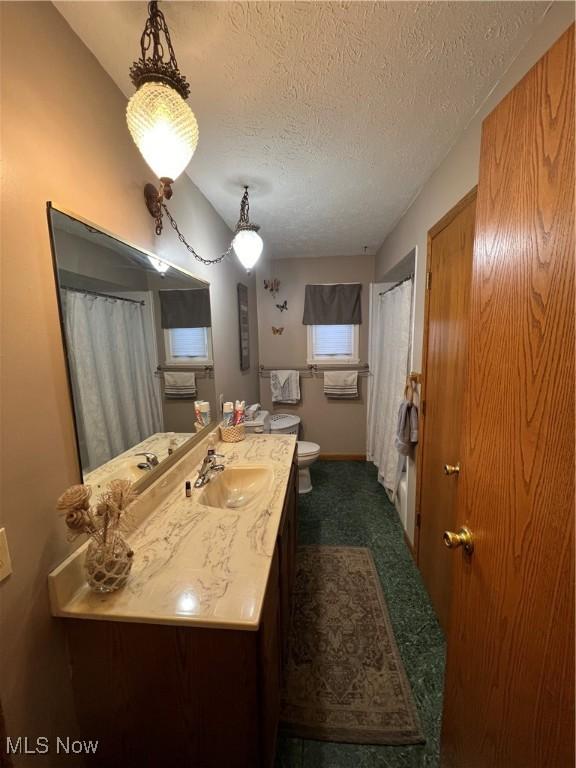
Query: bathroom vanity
183, 666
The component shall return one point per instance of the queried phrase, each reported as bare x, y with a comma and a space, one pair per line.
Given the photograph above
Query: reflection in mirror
138, 341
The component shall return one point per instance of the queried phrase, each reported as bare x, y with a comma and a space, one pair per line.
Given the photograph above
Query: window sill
189, 363
332, 361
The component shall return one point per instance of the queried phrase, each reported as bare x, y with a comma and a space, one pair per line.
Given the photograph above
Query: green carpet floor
347, 506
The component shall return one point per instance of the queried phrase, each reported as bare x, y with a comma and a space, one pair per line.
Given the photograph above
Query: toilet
287, 424
307, 455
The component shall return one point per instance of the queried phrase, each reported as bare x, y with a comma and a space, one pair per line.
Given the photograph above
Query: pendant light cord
188, 246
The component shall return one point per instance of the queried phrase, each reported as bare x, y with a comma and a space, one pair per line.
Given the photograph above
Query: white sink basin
236, 487
125, 468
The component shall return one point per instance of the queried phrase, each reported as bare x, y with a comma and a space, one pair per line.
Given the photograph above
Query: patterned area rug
344, 678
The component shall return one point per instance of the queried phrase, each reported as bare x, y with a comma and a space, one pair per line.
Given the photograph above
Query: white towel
341, 385
285, 386
179, 385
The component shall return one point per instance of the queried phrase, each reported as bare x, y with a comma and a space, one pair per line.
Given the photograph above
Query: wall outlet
5, 564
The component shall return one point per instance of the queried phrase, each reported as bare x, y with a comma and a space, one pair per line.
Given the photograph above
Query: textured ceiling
335, 113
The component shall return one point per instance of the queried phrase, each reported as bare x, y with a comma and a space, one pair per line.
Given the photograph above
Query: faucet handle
151, 458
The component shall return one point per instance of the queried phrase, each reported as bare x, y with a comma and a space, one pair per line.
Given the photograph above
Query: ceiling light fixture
166, 132
246, 242
161, 123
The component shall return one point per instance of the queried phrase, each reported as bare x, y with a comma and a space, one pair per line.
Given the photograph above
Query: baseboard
410, 547
342, 457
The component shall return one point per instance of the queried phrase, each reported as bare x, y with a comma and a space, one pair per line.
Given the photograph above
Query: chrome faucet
208, 467
151, 460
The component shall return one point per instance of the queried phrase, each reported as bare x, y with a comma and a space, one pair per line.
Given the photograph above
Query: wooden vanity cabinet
287, 544
163, 695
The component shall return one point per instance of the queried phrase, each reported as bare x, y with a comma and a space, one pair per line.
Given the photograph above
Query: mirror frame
157, 472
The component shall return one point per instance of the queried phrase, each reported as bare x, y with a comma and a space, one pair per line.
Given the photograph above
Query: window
333, 344
188, 346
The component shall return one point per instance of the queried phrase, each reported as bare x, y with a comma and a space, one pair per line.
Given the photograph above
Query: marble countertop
193, 564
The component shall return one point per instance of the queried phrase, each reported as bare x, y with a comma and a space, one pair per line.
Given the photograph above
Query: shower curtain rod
102, 295
382, 293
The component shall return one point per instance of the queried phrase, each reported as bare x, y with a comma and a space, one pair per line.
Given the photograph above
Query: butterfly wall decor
283, 306
277, 331
272, 286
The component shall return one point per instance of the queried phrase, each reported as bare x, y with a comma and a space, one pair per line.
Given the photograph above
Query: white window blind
188, 342
333, 341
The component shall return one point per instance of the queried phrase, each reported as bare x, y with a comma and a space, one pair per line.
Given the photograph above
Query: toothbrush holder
232, 434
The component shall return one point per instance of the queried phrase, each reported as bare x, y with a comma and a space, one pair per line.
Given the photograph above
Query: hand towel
341, 385
406, 428
179, 385
285, 386
406, 437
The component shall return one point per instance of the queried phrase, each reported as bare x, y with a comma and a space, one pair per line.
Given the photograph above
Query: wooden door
450, 245
509, 694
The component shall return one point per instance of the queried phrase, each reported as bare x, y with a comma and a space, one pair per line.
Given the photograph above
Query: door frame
432, 232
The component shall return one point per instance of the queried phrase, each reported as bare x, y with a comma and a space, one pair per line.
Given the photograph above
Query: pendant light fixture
161, 123
247, 243
166, 132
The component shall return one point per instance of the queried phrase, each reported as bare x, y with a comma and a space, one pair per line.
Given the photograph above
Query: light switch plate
5, 564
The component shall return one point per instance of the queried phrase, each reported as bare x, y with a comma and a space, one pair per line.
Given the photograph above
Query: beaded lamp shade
163, 128
160, 122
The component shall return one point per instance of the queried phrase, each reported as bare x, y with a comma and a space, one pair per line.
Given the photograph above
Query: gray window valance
185, 309
337, 304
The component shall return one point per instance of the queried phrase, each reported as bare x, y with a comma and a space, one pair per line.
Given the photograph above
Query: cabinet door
287, 544
270, 666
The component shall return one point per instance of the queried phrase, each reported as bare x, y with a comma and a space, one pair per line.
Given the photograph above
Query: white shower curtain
114, 397
390, 346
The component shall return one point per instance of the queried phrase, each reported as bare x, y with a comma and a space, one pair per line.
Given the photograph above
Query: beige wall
64, 139
338, 427
456, 176
91, 260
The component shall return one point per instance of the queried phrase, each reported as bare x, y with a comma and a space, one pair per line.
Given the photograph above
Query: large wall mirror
138, 343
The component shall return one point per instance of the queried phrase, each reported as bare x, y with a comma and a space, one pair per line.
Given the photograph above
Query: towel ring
410, 389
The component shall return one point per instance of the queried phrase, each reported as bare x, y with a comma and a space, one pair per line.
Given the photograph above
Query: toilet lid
283, 421
305, 448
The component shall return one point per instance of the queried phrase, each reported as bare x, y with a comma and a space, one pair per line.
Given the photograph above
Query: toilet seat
307, 449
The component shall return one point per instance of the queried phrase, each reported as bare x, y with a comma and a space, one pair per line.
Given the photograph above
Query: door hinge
428, 280
418, 520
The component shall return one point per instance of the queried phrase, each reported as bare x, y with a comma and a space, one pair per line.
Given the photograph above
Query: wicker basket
233, 434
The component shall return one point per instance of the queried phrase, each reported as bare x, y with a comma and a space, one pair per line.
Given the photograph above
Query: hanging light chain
155, 25
188, 246
245, 208
152, 66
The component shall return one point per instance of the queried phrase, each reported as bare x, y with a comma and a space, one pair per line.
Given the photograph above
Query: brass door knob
461, 539
452, 469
